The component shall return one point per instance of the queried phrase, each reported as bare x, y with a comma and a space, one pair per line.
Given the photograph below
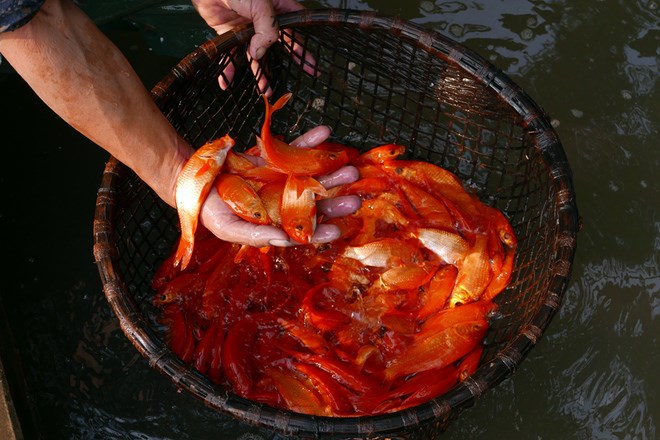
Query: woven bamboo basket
379, 80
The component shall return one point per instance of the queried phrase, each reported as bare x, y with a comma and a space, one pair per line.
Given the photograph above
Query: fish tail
183, 253
315, 186
302, 183
270, 109
281, 102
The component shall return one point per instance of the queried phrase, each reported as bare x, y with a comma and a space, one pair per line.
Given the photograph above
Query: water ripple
630, 291
609, 403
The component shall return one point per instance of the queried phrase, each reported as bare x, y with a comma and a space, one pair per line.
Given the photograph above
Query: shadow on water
593, 66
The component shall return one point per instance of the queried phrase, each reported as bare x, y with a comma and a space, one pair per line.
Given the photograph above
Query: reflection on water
512, 36
611, 403
611, 311
592, 65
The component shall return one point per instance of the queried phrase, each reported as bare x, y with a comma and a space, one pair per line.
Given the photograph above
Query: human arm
84, 78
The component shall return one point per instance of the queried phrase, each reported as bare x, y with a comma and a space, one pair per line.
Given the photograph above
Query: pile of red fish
390, 315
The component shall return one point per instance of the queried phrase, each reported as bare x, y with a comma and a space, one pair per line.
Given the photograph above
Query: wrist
162, 176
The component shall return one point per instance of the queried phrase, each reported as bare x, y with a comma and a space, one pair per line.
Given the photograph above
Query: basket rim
463, 395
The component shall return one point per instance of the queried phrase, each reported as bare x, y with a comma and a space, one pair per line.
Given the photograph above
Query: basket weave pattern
380, 80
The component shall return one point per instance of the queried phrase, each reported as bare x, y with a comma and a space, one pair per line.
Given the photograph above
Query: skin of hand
84, 78
223, 15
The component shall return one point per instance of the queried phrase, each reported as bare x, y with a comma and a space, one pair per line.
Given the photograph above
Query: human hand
223, 15
217, 217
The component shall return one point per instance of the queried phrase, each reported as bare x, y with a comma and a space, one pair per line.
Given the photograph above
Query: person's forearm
86, 80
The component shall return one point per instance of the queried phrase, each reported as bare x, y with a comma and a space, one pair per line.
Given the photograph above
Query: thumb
262, 13
218, 218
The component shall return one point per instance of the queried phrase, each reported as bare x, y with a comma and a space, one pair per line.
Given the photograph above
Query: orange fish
437, 350
293, 160
237, 163
262, 175
181, 339
384, 252
375, 212
298, 208
405, 277
438, 290
502, 278
380, 154
319, 307
241, 198
337, 396
424, 174
367, 188
348, 225
430, 208
501, 225
271, 197
180, 288
448, 317
443, 380
474, 274
448, 246
298, 392
351, 152
470, 363
192, 187
434, 179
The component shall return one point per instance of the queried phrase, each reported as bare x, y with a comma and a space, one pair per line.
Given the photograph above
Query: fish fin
281, 102
298, 184
316, 187
270, 109
183, 254
204, 168
301, 184
241, 253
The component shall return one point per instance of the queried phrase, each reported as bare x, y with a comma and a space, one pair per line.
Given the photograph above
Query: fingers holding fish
219, 218
223, 221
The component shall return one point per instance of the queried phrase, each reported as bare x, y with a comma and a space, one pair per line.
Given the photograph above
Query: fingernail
280, 243
260, 52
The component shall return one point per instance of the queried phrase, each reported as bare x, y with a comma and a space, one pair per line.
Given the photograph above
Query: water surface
592, 66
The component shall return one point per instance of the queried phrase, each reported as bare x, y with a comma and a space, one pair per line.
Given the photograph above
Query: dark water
592, 66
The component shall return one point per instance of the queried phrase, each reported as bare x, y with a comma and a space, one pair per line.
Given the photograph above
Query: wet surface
593, 67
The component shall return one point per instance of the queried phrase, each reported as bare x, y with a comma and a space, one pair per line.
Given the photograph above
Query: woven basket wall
380, 80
